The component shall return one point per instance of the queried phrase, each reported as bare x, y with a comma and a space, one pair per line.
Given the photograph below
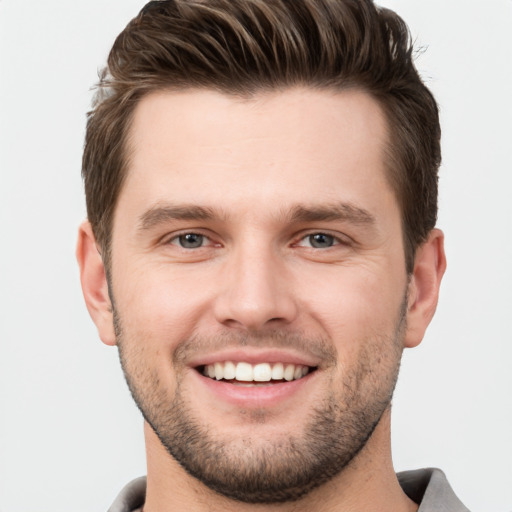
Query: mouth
260, 374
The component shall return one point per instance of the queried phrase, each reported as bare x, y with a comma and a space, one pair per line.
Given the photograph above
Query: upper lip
255, 356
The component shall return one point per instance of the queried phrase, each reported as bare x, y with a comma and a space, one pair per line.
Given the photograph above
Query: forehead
293, 146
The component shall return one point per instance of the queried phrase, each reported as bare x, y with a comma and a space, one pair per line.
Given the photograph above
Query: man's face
259, 239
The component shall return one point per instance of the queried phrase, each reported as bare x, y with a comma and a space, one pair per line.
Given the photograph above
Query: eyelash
176, 239
336, 240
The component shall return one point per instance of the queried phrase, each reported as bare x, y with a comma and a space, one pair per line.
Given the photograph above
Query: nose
256, 291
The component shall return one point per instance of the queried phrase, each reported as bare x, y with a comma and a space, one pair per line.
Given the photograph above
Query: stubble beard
281, 469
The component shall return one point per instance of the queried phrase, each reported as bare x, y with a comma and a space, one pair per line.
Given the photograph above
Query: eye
190, 240
319, 241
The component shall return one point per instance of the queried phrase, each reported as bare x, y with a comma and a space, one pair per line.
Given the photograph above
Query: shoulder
131, 497
429, 488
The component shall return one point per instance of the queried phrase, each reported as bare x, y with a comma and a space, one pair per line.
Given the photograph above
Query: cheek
154, 317
159, 309
353, 303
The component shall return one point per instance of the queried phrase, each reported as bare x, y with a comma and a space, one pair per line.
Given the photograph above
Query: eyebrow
333, 212
346, 212
161, 214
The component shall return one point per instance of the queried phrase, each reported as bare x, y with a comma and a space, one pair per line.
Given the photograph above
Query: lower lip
255, 396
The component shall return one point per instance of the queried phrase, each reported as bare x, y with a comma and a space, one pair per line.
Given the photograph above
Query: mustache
316, 347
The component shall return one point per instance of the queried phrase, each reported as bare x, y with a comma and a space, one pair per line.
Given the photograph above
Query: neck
369, 481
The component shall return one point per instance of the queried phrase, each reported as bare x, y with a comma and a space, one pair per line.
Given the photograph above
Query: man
261, 184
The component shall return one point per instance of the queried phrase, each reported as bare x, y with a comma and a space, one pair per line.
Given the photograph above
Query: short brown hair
242, 47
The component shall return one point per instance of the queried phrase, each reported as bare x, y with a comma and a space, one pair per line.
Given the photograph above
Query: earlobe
94, 283
429, 267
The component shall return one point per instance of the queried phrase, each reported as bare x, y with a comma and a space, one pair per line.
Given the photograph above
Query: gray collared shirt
427, 487
431, 490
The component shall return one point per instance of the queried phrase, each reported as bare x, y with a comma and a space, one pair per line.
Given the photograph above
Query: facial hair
279, 469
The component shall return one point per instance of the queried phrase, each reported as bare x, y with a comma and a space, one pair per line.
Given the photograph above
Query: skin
252, 163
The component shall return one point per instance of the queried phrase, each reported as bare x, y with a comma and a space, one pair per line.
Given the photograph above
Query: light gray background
69, 434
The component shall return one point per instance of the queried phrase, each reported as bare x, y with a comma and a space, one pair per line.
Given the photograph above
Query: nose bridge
256, 291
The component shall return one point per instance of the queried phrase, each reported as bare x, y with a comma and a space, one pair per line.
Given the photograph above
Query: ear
94, 283
429, 267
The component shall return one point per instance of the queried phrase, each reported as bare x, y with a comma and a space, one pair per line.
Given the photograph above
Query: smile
261, 372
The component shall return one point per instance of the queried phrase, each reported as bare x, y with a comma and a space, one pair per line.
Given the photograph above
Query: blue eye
190, 240
321, 240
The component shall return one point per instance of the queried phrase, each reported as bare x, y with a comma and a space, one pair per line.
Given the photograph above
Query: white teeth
278, 371
261, 372
289, 372
229, 370
244, 372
